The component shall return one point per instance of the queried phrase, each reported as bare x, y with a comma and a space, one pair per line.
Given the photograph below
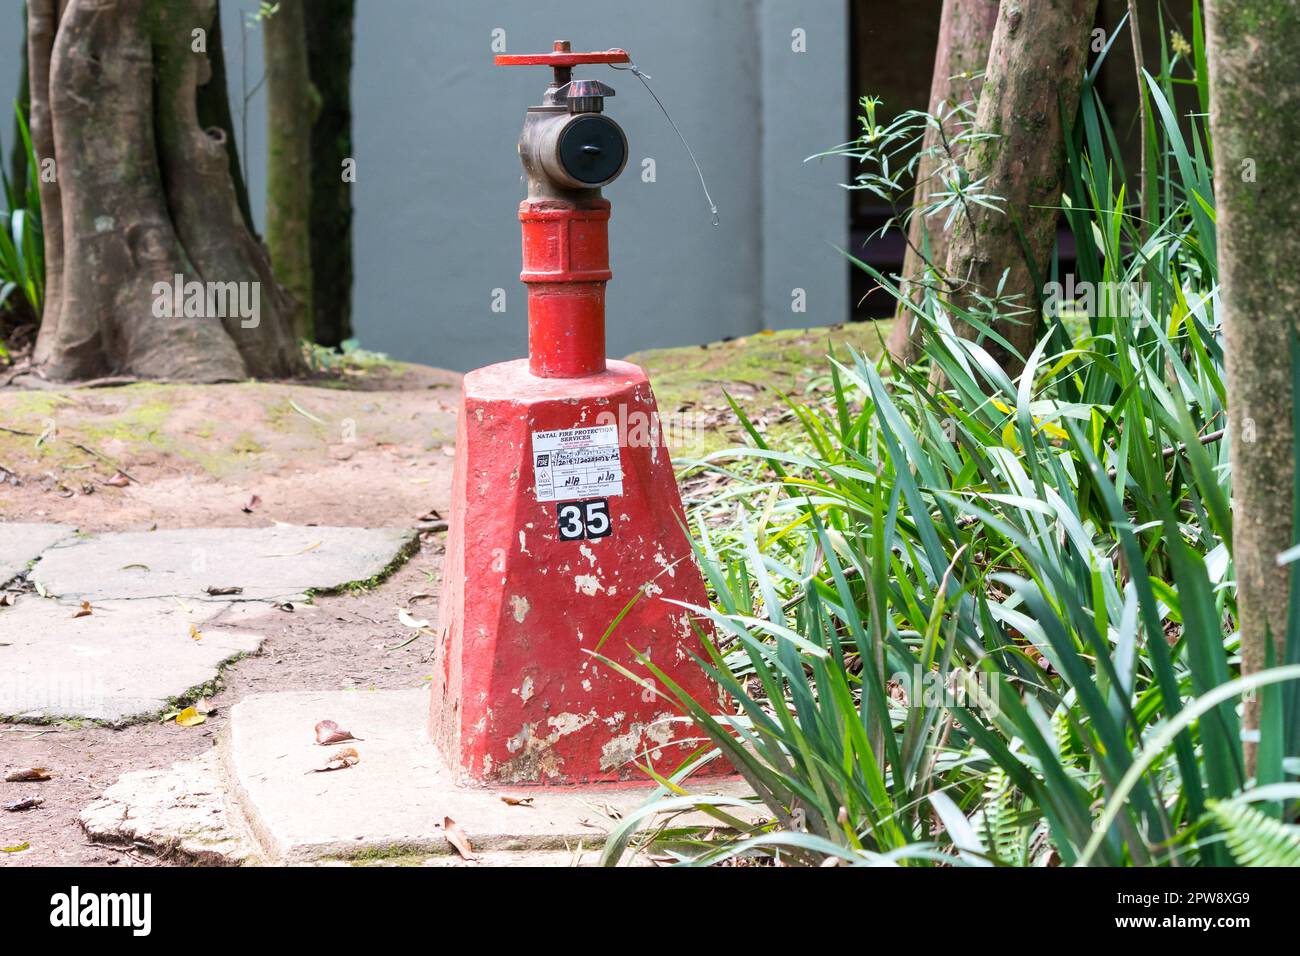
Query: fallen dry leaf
15, 849
190, 717
407, 621
456, 837
7, 599
29, 803
304, 413
329, 732
204, 706
195, 634
30, 775
518, 801
340, 760
217, 592
253, 502
119, 480
85, 610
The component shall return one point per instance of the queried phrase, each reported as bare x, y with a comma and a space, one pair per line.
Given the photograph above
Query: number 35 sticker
583, 519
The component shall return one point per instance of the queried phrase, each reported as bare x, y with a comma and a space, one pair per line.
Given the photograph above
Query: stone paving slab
177, 812
270, 564
123, 662
182, 814
394, 800
22, 543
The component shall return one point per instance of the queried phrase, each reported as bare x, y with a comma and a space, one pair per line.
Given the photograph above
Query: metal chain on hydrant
642, 76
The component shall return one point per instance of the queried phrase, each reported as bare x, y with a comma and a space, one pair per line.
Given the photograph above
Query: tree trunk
214, 112
965, 32
201, 193
142, 196
1254, 46
329, 54
290, 113
42, 22
1035, 71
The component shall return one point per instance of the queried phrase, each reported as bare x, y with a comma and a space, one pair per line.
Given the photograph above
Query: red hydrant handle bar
562, 58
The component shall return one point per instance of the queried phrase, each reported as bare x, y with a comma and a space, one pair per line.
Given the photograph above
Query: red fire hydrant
565, 512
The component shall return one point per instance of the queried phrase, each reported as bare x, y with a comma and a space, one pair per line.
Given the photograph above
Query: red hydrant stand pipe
565, 519
566, 266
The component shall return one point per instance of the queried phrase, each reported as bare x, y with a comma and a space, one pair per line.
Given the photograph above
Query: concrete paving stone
22, 543
182, 814
393, 802
280, 563
124, 661
178, 812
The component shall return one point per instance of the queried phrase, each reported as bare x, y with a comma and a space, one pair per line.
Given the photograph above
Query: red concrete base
546, 548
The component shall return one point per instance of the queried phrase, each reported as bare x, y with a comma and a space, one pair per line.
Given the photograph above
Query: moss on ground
754, 370
148, 421
140, 423
158, 421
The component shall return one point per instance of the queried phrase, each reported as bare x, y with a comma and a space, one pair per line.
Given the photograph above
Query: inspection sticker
577, 463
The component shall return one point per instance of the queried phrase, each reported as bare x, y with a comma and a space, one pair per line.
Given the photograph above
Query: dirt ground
349, 641
375, 453
196, 456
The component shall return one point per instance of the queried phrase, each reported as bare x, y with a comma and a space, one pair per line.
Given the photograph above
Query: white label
573, 463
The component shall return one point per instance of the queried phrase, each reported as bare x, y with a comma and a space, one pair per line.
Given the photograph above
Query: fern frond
1007, 838
1254, 838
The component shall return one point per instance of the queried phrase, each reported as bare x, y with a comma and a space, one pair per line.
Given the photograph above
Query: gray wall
438, 179
11, 41
804, 219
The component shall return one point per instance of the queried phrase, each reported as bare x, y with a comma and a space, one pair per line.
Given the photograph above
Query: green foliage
265, 11
22, 249
1255, 838
349, 355
993, 622
888, 156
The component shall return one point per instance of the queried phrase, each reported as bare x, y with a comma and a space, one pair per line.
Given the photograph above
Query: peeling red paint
517, 698
552, 535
